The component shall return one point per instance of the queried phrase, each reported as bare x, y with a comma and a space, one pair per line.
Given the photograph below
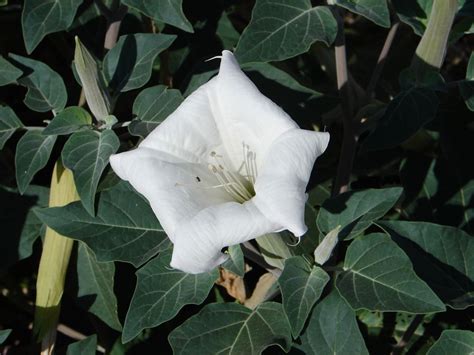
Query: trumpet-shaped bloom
227, 166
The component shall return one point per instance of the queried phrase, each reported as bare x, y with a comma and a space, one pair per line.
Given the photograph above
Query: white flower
227, 166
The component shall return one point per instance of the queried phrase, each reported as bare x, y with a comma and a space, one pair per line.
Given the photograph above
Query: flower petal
281, 183
176, 190
198, 242
243, 114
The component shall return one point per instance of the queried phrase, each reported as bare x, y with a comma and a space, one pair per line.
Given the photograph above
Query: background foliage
388, 263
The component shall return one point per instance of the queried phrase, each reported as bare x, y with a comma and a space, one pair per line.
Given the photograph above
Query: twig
382, 59
347, 154
74, 334
398, 349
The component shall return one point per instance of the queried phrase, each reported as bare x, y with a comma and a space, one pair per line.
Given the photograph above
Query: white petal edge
198, 242
281, 183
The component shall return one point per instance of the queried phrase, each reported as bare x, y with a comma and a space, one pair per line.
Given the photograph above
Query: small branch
382, 59
398, 349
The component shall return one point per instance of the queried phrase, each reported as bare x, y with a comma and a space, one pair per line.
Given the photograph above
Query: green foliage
4, 335
279, 30
135, 237
232, 329
8, 72
9, 123
68, 121
333, 329
236, 262
374, 10
378, 276
161, 292
85, 346
453, 342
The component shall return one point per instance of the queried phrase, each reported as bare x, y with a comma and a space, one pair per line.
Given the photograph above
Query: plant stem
398, 349
381, 60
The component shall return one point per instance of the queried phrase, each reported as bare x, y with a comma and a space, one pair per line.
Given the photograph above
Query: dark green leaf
227, 33
375, 10
161, 292
355, 211
128, 64
167, 11
459, 342
40, 18
301, 286
279, 30
407, 113
68, 121
236, 262
379, 276
85, 346
333, 329
8, 73
445, 261
466, 87
46, 90
414, 13
87, 154
231, 328
96, 287
151, 107
32, 154
9, 123
4, 335
125, 228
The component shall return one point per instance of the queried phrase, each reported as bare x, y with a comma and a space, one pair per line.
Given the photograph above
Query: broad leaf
407, 113
151, 107
459, 342
40, 17
414, 13
375, 10
236, 262
167, 11
444, 261
466, 87
128, 64
301, 286
8, 73
4, 333
161, 292
87, 154
68, 121
32, 154
9, 123
231, 328
96, 287
227, 33
379, 276
333, 329
125, 228
85, 346
279, 30
46, 90
355, 211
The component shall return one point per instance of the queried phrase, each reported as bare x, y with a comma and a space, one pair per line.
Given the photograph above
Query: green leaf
375, 10
9, 123
459, 342
324, 250
151, 107
87, 154
129, 63
279, 30
4, 335
161, 292
227, 33
32, 154
85, 346
167, 11
8, 73
414, 13
40, 18
333, 329
355, 211
96, 287
125, 228
231, 328
445, 261
466, 87
301, 286
379, 276
68, 121
405, 115
236, 262
46, 90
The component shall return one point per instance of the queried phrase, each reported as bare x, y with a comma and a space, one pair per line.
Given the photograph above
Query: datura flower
227, 166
